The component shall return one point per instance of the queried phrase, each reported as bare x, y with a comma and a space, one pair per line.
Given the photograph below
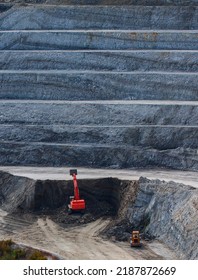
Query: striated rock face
106, 2
118, 113
98, 40
114, 60
99, 83
100, 18
16, 192
168, 211
64, 85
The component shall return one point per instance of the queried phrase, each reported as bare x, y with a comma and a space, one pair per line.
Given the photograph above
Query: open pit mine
110, 88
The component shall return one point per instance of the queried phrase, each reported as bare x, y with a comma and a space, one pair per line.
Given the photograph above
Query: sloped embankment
163, 210
169, 212
16, 192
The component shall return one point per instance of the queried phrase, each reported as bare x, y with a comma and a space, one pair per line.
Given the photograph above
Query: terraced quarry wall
103, 84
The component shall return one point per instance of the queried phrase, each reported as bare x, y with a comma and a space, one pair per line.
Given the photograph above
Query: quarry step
92, 156
99, 17
98, 85
58, 173
98, 39
161, 137
99, 113
102, 102
105, 2
108, 60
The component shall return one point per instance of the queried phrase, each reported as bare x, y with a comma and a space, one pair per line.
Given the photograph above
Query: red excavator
76, 204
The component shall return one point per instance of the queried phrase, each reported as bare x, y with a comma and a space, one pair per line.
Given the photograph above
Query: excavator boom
76, 190
76, 203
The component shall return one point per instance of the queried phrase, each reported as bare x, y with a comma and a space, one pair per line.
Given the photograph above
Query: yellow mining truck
135, 239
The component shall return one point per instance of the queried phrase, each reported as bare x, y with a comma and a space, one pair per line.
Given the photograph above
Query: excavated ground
104, 198
35, 212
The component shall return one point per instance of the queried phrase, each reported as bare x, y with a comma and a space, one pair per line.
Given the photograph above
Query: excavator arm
76, 203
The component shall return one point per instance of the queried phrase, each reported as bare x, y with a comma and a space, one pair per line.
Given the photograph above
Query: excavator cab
135, 239
76, 203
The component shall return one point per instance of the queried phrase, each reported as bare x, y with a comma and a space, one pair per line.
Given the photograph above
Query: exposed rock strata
168, 211
99, 85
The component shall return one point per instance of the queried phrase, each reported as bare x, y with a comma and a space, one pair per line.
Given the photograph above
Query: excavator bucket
73, 171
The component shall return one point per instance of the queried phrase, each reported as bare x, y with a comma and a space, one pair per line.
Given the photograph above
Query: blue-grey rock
154, 136
95, 40
132, 60
93, 113
169, 212
87, 155
93, 85
112, 85
99, 17
103, 2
